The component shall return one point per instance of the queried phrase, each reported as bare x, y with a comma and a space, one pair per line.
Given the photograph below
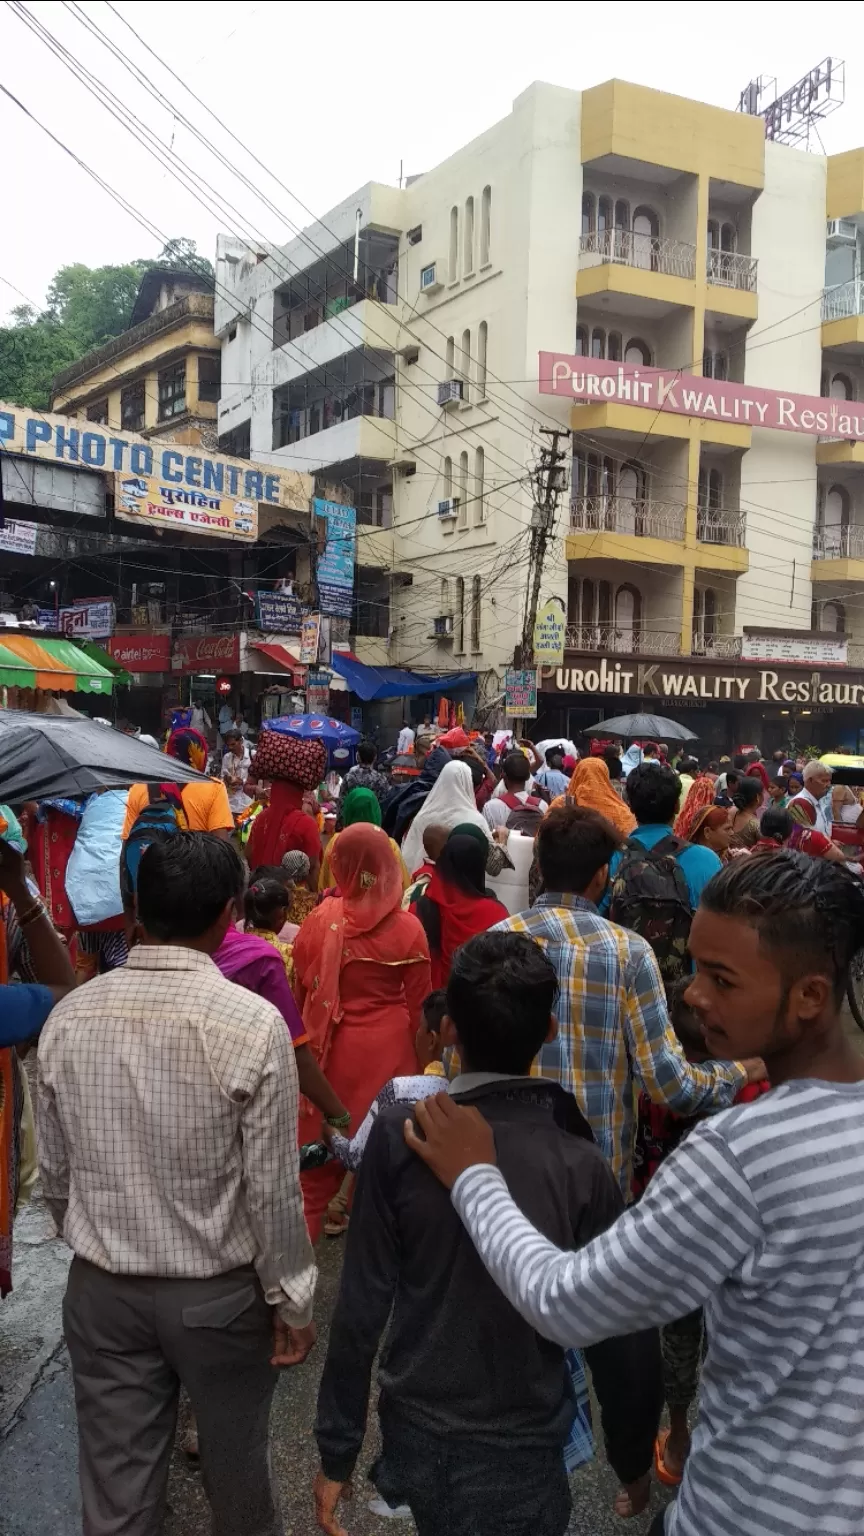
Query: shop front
728, 705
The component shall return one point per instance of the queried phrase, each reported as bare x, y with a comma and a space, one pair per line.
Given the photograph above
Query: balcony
838, 543
731, 269
628, 515
622, 642
714, 526
843, 316
717, 647
649, 253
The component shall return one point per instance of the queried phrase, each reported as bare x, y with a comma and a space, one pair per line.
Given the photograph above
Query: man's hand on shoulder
456, 1137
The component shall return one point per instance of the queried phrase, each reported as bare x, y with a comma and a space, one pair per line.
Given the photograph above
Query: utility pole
549, 478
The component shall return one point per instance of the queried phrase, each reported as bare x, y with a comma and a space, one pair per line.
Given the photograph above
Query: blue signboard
279, 612
336, 564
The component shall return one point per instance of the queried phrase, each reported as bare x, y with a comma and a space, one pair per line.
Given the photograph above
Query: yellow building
159, 378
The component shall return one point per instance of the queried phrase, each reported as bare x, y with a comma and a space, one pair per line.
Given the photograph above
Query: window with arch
444, 598
447, 477
832, 617
475, 613
451, 357
482, 345
646, 232
485, 225
463, 489
589, 610
705, 610
630, 499
479, 486
465, 362
638, 352
459, 616
468, 246
842, 387
598, 342
589, 213
604, 214
628, 618
613, 346
582, 344
833, 515
453, 268
622, 214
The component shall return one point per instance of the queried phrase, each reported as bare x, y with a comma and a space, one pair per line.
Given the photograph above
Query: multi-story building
160, 377
393, 347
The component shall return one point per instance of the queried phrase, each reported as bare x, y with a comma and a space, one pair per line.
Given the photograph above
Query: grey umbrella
47, 755
642, 727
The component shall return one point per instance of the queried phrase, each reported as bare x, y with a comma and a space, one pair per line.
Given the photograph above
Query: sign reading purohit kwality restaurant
590, 380
708, 682
167, 485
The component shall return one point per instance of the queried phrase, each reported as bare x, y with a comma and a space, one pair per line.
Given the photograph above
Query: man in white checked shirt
168, 1154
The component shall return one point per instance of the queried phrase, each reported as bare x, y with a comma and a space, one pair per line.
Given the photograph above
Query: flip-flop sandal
336, 1226
669, 1479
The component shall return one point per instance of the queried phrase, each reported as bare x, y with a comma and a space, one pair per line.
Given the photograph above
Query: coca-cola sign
207, 653
141, 653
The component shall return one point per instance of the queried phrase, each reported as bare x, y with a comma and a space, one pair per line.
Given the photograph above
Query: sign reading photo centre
591, 381
158, 483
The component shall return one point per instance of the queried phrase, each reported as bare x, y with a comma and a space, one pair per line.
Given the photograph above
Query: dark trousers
658, 1527
132, 1340
458, 1487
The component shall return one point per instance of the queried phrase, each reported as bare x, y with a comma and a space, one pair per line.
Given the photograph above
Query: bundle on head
287, 757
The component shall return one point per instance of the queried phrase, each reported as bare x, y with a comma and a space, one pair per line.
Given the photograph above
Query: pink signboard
590, 380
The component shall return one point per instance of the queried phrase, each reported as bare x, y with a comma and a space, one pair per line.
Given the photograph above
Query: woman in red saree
455, 904
294, 766
361, 976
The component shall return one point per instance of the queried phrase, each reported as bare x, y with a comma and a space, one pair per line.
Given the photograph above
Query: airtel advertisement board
141, 653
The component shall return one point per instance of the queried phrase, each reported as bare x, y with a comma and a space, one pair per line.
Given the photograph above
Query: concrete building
393, 347
159, 378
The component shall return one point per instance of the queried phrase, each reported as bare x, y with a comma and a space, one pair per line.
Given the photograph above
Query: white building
394, 348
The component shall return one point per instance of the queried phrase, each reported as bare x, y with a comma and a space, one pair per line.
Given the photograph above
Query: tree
86, 306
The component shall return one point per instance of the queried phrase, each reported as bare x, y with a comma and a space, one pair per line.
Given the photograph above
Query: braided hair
811, 909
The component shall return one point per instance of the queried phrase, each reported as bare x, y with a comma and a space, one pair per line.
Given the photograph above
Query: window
132, 407
415, 235
465, 369
581, 341
172, 392
713, 235
459, 626
646, 231
832, 618
463, 489
453, 269
728, 237
468, 249
598, 342
482, 343
842, 387
704, 617
209, 378
637, 352
386, 400
622, 215
444, 600
98, 413
451, 357
448, 478
238, 442
588, 215
628, 616
485, 225
604, 215
613, 346
479, 492
475, 613
710, 489
715, 365
232, 333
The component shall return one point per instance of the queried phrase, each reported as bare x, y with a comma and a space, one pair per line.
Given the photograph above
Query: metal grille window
172, 392
98, 413
132, 407
209, 378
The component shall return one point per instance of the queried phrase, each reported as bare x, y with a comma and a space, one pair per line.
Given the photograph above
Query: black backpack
162, 817
650, 896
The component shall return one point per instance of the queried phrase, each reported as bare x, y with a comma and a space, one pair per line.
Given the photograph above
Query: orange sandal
669, 1479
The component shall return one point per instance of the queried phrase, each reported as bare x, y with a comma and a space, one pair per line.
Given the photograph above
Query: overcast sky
331, 96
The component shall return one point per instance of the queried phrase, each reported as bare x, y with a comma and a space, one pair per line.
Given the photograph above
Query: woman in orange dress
591, 787
361, 976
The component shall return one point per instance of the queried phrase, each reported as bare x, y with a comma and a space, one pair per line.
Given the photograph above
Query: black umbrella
642, 727
46, 755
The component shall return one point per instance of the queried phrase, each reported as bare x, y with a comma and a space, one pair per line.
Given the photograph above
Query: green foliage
86, 306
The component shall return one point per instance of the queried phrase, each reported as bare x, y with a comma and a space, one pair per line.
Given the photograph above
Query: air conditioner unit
449, 508
451, 392
431, 277
841, 232
443, 625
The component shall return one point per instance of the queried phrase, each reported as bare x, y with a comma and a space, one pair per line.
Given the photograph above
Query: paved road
37, 1421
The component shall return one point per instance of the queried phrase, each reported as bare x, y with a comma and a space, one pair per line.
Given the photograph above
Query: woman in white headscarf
450, 803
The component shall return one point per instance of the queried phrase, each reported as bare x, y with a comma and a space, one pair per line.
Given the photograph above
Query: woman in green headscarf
359, 805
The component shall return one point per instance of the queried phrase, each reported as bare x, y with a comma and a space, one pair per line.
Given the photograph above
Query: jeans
459, 1487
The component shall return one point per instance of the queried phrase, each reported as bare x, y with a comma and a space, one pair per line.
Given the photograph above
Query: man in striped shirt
758, 1216
613, 1025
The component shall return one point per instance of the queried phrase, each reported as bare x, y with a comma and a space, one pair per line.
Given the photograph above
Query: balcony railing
628, 641
845, 299
631, 515
838, 543
714, 526
723, 647
730, 269
624, 247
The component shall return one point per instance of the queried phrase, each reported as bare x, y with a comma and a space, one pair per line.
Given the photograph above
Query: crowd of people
554, 1045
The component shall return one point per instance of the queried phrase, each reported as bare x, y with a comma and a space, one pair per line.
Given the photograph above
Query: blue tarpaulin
394, 682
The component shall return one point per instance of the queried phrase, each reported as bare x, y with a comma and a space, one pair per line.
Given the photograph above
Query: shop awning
26, 662
284, 658
395, 682
98, 653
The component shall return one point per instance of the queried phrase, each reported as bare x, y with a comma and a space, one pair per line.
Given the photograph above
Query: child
400, 1090
266, 911
475, 1406
659, 1131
